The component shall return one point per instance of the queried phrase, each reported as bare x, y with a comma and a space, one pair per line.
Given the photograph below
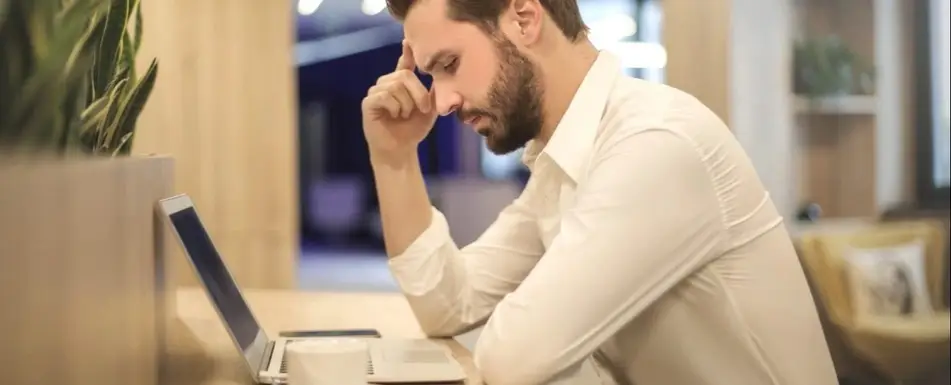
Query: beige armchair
892, 348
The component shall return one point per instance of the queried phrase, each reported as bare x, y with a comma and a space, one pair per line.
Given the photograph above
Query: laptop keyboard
410, 355
417, 356
284, 366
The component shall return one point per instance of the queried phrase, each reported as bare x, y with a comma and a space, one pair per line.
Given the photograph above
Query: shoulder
635, 104
637, 109
658, 129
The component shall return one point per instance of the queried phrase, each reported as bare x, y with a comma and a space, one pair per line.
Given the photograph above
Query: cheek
479, 75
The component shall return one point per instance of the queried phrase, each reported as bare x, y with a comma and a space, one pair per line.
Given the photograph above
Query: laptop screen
218, 281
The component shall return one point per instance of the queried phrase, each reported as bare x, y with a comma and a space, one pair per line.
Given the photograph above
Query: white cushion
889, 281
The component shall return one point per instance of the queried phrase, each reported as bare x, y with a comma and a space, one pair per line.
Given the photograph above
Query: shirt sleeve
646, 217
452, 291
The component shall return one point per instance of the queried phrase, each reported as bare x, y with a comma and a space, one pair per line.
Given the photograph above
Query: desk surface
200, 351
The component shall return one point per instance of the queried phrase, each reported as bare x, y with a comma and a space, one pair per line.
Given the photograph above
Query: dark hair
485, 13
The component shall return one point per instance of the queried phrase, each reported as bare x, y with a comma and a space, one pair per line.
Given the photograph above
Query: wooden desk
201, 353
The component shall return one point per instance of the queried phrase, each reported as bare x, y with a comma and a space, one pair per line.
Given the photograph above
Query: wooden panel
225, 108
851, 20
697, 38
82, 271
839, 164
857, 174
909, 105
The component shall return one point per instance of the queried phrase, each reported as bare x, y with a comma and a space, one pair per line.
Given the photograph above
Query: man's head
483, 57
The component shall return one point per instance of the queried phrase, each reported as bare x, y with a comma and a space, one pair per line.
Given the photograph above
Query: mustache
465, 115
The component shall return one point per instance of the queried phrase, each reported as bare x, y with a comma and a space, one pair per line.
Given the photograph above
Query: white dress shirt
645, 238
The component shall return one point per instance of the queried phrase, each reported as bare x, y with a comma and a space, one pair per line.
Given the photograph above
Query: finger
397, 75
401, 94
416, 89
406, 61
397, 90
380, 100
386, 102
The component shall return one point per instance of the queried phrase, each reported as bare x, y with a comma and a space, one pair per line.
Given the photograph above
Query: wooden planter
82, 271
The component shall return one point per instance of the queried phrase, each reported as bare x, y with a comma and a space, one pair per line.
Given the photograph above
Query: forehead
428, 30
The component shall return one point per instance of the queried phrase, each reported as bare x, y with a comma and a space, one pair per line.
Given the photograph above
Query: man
643, 241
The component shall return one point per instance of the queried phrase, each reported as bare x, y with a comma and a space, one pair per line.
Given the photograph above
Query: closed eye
451, 67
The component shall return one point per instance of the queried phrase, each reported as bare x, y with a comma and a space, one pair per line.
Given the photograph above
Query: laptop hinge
266, 359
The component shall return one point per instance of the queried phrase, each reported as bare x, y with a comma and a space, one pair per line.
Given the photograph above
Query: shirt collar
574, 135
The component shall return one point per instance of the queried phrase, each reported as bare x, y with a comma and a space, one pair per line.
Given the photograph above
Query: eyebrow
435, 58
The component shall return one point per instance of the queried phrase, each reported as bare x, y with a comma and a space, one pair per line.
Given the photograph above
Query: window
933, 37
941, 72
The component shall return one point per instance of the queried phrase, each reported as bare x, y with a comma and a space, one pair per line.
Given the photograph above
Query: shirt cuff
420, 267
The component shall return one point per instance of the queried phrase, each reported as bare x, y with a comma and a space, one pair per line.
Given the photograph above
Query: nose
447, 100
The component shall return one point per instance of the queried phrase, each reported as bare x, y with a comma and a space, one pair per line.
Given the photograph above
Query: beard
514, 112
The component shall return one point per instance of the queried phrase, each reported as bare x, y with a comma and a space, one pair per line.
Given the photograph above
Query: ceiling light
373, 7
308, 7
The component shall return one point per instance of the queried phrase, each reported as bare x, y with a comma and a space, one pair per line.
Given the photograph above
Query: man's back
746, 316
645, 238
742, 319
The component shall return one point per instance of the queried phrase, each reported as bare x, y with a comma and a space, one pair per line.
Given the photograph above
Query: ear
525, 21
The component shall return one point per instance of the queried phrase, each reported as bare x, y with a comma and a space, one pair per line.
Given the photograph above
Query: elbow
438, 330
445, 322
513, 350
449, 327
439, 318
436, 326
514, 364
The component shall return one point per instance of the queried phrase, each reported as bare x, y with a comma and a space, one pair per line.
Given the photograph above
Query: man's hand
398, 111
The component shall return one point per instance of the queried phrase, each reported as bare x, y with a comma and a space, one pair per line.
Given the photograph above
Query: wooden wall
225, 108
852, 155
696, 35
855, 157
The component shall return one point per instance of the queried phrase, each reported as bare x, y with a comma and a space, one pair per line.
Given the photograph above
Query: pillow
889, 281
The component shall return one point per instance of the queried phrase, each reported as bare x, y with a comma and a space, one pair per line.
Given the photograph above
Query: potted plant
81, 252
827, 66
68, 82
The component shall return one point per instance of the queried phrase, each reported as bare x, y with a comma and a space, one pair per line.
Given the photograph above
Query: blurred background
342, 47
842, 105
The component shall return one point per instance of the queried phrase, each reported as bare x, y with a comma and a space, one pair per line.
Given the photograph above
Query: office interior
844, 106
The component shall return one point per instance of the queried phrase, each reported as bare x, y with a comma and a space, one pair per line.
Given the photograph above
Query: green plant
827, 66
67, 76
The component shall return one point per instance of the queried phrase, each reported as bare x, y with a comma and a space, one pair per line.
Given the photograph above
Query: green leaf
110, 44
4, 9
95, 113
107, 126
67, 75
123, 74
125, 145
127, 58
135, 103
16, 53
73, 104
38, 102
137, 43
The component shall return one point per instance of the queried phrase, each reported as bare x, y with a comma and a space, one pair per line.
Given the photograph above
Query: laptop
390, 361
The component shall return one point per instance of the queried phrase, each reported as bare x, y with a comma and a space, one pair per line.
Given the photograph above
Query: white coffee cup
327, 361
